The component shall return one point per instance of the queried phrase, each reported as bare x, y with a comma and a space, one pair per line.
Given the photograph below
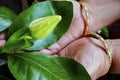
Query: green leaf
44, 9
19, 44
42, 27
36, 66
19, 40
105, 32
6, 18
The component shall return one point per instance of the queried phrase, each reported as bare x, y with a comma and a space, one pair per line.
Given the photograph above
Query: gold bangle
87, 18
107, 49
86, 33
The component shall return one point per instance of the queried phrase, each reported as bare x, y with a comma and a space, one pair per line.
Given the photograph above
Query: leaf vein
38, 65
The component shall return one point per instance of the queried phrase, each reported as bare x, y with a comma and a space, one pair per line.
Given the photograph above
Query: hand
74, 32
90, 53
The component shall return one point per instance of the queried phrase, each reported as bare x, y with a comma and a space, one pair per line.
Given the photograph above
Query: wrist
102, 13
114, 47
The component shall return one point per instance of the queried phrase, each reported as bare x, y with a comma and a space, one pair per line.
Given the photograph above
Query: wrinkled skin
90, 53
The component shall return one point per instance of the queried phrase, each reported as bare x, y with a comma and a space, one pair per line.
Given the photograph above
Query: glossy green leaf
6, 18
44, 9
19, 44
35, 66
42, 27
19, 40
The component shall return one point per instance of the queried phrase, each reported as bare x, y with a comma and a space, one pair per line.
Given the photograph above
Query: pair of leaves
40, 10
36, 66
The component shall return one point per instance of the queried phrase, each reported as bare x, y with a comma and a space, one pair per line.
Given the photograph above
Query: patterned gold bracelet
86, 33
87, 18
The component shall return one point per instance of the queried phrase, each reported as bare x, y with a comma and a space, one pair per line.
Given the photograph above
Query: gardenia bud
42, 27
